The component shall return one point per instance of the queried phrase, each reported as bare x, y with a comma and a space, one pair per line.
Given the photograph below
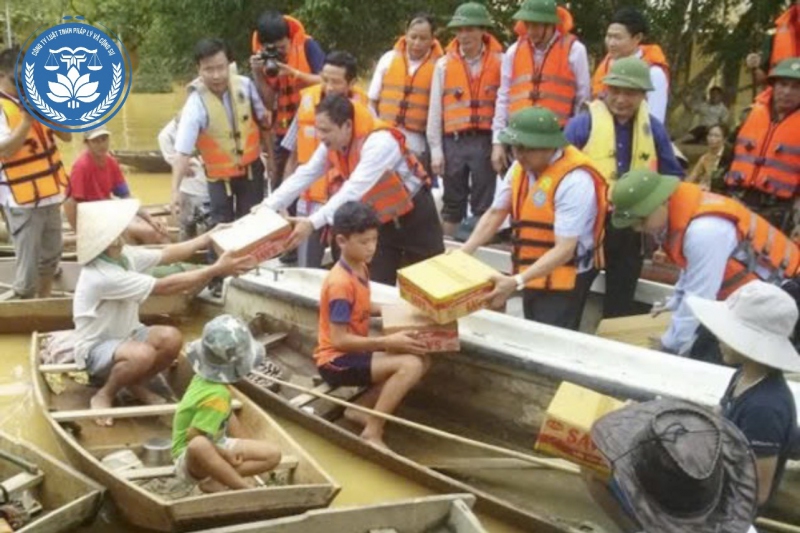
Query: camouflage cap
227, 352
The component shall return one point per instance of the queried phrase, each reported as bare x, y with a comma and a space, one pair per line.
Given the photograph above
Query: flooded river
136, 128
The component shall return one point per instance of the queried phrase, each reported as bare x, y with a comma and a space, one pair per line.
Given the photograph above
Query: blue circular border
117, 107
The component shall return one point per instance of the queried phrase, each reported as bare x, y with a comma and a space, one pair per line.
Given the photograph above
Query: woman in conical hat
112, 345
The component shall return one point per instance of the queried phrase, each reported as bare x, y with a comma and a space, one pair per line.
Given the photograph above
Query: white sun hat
757, 321
100, 223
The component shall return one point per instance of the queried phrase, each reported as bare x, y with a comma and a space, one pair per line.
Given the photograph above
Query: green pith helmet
471, 14
543, 11
638, 193
534, 127
629, 73
788, 68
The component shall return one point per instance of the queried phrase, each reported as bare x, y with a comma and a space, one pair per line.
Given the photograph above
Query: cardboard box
567, 426
262, 234
446, 287
437, 337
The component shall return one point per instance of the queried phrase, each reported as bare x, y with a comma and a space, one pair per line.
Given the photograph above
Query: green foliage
154, 75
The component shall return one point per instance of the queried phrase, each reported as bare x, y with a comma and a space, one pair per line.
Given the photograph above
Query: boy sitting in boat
112, 345
346, 355
754, 326
207, 443
96, 175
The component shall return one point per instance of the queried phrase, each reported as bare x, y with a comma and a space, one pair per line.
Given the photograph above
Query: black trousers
624, 260
414, 237
233, 199
559, 308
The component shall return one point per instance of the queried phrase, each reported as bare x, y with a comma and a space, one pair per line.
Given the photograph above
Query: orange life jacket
785, 43
762, 247
533, 214
652, 54
767, 153
288, 88
307, 141
405, 98
35, 171
227, 151
389, 197
467, 103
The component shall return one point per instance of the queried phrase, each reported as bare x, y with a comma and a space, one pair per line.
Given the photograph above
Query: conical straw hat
100, 223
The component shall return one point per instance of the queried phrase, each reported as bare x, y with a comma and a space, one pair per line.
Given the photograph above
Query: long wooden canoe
50, 314
434, 514
496, 390
67, 497
302, 485
143, 160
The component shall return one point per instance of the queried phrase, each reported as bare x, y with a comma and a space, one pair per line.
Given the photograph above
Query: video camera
271, 55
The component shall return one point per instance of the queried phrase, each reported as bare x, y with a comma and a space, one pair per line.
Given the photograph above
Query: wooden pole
555, 464
774, 525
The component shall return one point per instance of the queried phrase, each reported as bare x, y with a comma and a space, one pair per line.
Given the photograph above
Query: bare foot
356, 417
102, 401
145, 395
374, 440
212, 485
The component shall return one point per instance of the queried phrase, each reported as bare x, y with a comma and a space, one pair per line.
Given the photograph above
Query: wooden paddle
556, 464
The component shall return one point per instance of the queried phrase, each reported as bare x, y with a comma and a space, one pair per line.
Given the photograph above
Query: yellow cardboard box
437, 337
566, 428
446, 287
262, 234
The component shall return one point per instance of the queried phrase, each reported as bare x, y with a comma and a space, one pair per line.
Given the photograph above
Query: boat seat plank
288, 462
305, 399
59, 368
22, 482
121, 412
270, 339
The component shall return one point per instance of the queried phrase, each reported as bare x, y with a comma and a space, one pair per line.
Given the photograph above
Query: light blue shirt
194, 116
575, 208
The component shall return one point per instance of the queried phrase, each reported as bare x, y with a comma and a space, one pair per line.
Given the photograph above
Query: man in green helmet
463, 95
547, 66
557, 202
620, 134
765, 173
718, 243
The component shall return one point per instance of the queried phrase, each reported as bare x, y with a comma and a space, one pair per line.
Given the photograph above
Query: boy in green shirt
207, 444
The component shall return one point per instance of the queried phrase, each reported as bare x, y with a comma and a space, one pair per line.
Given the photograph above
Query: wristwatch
520, 282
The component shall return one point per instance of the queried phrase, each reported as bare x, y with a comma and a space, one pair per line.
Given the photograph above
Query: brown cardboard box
437, 337
446, 287
567, 426
262, 234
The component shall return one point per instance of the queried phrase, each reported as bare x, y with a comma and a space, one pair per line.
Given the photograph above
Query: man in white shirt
112, 345
556, 199
32, 182
195, 202
367, 155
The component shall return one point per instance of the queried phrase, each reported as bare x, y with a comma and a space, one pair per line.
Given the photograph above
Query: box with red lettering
437, 337
262, 234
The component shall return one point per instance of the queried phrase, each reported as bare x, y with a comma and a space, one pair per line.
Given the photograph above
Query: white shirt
415, 141
575, 208
6, 198
578, 62
435, 129
379, 154
658, 98
195, 185
107, 298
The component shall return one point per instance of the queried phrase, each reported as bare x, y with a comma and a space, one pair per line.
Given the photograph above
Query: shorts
182, 469
100, 358
348, 370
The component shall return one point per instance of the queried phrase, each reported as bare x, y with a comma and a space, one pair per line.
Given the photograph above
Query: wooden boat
496, 391
303, 484
50, 314
67, 498
435, 514
150, 161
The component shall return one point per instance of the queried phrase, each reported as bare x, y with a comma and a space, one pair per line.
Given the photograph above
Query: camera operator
284, 61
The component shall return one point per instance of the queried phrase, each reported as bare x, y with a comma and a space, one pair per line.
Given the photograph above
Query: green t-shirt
205, 406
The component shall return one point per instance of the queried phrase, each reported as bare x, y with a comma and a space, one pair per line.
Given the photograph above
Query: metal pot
157, 452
